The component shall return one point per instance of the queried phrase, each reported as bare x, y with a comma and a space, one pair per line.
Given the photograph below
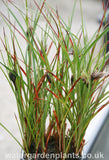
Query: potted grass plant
59, 83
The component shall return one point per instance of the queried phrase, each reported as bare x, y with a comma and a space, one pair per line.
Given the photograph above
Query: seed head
48, 78
29, 31
72, 79
12, 76
96, 75
85, 79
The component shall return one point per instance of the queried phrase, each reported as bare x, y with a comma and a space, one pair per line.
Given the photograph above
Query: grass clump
59, 84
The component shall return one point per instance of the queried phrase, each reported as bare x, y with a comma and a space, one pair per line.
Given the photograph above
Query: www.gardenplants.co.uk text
55, 156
